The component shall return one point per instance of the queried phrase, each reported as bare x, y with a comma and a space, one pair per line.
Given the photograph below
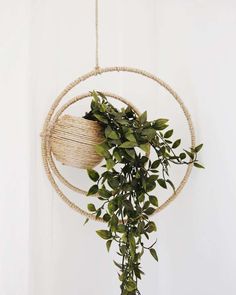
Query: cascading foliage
125, 187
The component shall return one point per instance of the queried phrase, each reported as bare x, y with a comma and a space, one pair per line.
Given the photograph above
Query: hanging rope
97, 39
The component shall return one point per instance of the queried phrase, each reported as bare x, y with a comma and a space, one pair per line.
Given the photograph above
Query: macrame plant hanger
56, 127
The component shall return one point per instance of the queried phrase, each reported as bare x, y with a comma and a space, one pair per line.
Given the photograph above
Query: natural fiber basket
73, 141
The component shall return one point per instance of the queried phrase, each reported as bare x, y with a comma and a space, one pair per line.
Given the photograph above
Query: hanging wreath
121, 139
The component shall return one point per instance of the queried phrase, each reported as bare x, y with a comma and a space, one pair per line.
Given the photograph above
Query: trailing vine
125, 187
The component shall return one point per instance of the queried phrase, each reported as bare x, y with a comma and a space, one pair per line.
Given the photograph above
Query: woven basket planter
73, 141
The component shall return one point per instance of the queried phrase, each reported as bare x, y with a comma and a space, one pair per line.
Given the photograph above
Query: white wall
189, 44
14, 147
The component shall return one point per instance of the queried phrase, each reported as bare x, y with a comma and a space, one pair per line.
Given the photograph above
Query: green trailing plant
125, 187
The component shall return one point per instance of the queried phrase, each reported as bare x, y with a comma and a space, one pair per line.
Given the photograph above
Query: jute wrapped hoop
53, 116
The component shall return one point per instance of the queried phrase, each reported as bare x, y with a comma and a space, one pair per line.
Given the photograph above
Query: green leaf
141, 227
102, 151
176, 143
113, 183
130, 286
150, 211
103, 107
143, 117
112, 207
152, 178
145, 147
127, 144
91, 207
182, 156
150, 185
93, 175
143, 160
154, 254
198, 165
130, 137
162, 127
128, 205
162, 121
101, 118
122, 122
153, 200
160, 124
117, 264
86, 221
112, 134
93, 190
110, 164
141, 198
95, 96
114, 221
156, 164
150, 133
106, 217
190, 154
117, 154
122, 278
132, 242
121, 228
131, 153
137, 273
168, 133
104, 234
162, 182
103, 192
151, 227
102, 95
198, 148
108, 245
108, 130
146, 205
171, 184
98, 213
124, 238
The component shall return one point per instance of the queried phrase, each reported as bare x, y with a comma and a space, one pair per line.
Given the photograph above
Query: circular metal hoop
52, 116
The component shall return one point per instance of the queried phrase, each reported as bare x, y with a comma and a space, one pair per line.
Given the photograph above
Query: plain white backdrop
191, 44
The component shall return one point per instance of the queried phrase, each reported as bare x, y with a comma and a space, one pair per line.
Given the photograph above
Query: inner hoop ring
46, 133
